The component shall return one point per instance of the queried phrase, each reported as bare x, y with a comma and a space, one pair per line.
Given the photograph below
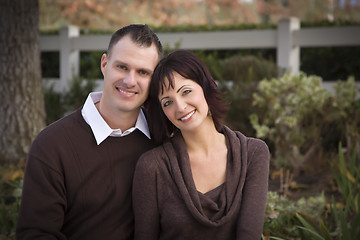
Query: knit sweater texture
76, 189
168, 206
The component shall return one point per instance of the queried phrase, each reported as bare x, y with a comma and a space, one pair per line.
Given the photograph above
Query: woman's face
185, 104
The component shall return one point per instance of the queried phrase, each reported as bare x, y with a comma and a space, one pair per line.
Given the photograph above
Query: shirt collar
100, 128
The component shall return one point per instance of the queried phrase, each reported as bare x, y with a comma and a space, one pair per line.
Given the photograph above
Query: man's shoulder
63, 125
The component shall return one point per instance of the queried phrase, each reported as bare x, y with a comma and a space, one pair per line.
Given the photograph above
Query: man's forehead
133, 54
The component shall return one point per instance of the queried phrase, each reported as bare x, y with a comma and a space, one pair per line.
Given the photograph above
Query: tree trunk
22, 113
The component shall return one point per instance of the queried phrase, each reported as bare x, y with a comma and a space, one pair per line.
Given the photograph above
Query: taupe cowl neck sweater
168, 206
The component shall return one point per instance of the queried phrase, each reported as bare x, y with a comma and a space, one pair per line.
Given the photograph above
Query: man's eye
121, 67
142, 72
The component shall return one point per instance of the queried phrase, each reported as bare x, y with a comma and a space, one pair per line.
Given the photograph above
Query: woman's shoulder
251, 143
153, 158
256, 142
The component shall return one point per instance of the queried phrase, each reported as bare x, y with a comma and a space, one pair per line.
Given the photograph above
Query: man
79, 171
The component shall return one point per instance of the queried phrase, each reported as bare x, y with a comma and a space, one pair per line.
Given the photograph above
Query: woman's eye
166, 103
186, 92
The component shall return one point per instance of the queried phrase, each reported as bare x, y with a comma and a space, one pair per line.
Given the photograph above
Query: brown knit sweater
76, 189
168, 206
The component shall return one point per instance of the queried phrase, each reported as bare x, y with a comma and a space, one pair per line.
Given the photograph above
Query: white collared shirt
100, 128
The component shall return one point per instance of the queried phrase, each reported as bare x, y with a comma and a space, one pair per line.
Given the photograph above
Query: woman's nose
181, 105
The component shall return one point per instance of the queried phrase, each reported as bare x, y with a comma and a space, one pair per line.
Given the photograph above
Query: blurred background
110, 14
308, 114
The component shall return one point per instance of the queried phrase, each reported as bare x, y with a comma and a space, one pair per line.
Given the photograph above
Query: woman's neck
207, 152
205, 138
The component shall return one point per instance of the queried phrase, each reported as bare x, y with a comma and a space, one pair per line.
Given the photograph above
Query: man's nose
130, 79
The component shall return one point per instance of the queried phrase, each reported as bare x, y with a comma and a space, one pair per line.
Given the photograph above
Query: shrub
280, 218
303, 120
243, 74
58, 104
54, 107
292, 119
11, 177
346, 114
90, 64
247, 68
344, 218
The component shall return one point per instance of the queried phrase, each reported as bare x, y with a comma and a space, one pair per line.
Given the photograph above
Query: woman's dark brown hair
190, 67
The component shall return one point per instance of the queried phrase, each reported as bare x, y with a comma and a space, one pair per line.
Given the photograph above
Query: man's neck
118, 119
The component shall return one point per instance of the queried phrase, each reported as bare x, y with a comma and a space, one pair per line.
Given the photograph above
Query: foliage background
247, 69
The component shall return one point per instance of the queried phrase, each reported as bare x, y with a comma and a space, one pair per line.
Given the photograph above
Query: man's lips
187, 116
126, 91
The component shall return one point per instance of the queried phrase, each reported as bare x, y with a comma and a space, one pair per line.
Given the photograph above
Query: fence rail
287, 39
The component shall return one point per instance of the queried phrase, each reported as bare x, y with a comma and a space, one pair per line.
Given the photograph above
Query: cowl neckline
203, 209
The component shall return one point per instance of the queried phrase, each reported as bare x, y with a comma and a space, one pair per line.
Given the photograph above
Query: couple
195, 178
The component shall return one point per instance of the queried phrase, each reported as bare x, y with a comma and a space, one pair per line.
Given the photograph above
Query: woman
205, 181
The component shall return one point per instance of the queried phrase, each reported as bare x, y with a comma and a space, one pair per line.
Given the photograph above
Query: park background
313, 132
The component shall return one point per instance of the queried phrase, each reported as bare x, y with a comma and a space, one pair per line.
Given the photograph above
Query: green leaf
313, 233
308, 227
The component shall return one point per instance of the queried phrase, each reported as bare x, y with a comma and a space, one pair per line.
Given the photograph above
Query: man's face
127, 73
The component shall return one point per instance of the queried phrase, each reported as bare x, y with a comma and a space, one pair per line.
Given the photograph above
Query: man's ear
104, 62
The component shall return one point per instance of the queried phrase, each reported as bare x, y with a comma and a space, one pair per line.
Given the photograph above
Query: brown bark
22, 113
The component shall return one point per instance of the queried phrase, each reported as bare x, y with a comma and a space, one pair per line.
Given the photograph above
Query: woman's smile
188, 116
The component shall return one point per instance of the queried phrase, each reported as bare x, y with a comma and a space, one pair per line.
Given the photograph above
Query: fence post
288, 55
69, 58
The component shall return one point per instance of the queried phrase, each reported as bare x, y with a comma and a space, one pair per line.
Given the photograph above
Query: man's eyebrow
146, 70
120, 62
138, 69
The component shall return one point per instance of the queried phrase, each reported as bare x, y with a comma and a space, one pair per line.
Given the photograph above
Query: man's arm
147, 219
43, 200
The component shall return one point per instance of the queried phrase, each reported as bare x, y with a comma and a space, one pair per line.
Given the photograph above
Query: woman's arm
252, 212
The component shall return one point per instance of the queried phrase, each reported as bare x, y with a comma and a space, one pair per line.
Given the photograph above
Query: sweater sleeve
145, 204
43, 200
252, 212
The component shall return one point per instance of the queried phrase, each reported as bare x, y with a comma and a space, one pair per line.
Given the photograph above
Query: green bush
344, 221
54, 107
347, 175
90, 64
293, 112
240, 77
345, 112
298, 117
11, 178
280, 218
58, 104
245, 69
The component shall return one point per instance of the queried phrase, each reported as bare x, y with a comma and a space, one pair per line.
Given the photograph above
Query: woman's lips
187, 116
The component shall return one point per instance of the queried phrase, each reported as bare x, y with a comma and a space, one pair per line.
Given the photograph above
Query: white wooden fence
288, 38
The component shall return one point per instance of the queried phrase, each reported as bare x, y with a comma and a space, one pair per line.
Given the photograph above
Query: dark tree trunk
22, 113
